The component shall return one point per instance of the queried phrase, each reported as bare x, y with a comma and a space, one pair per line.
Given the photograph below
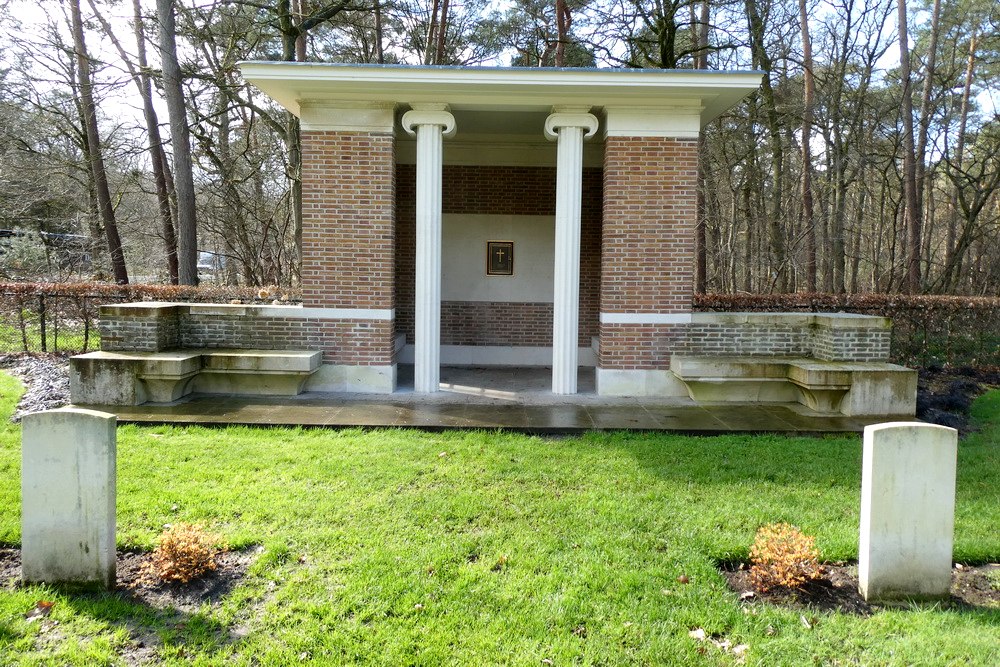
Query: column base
639, 382
354, 379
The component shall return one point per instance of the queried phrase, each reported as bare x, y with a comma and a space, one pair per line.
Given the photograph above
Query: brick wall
492, 190
144, 331
637, 346
349, 342
348, 243
494, 323
348, 219
852, 344
827, 337
650, 185
751, 340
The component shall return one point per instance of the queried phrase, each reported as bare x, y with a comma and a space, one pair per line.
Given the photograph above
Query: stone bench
829, 387
133, 378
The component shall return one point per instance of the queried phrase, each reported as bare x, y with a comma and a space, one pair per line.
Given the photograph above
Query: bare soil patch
837, 590
136, 586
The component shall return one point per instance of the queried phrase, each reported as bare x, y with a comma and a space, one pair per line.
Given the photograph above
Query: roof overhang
504, 89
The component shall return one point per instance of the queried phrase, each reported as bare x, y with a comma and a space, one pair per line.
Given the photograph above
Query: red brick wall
348, 240
348, 219
650, 185
491, 190
496, 323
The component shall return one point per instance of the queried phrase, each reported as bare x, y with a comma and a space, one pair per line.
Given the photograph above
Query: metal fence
46, 322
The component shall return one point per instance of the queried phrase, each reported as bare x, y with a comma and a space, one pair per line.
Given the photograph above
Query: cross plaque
499, 258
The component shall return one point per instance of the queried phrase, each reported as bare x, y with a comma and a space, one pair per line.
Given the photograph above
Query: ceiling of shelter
489, 122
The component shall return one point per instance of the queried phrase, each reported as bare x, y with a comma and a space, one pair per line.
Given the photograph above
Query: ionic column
430, 123
569, 126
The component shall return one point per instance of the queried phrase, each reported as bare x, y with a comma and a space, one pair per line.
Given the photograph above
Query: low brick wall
153, 327
824, 336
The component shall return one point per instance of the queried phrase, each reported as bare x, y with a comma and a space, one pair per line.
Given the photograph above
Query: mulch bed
837, 590
945, 394
134, 586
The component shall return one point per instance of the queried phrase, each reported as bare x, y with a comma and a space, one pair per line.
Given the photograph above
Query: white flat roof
501, 88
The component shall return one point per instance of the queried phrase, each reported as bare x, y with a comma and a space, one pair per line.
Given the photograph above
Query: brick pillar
647, 261
348, 252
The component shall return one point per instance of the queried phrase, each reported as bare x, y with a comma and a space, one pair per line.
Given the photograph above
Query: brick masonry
147, 332
650, 186
347, 342
348, 219
348, 243
495, 190
776, 340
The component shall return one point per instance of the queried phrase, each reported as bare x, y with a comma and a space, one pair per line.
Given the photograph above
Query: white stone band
645, 318
294, 312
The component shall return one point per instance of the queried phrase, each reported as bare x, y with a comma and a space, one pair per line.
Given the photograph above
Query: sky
122, 101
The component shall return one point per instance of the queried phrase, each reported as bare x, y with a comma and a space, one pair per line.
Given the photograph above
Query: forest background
868, 161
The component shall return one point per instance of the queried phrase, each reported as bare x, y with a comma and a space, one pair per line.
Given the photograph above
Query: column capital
429, 114
570, 117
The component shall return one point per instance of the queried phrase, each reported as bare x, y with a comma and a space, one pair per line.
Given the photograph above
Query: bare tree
162, 179
808, 89
93, 143
180, 142
912, 205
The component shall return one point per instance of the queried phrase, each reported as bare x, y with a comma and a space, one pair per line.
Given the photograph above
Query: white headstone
68, 497
907, 510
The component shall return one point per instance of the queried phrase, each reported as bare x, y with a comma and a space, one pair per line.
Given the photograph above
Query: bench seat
133, 378
828, 387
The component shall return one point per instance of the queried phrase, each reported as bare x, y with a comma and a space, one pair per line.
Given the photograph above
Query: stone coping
295, 311
800, 320
291, 311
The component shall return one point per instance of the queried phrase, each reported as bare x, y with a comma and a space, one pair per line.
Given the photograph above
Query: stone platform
514, 399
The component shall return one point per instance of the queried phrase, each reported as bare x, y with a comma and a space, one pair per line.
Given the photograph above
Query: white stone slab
68, 497
354, 379
639, 382
907, 510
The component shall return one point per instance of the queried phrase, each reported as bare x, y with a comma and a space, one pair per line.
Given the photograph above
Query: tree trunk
776, 239
442, 34
95, 156
925, 100
379, 37
139, 73
700, 234
912, 206
180, 142
951, 265
808, 218
431, 34
156, 153
563, 21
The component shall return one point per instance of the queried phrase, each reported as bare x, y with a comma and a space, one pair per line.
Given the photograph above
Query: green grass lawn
67, 338
385, 547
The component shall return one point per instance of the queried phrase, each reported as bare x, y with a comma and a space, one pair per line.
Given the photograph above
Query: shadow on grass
160, 620
725, 460
152, 629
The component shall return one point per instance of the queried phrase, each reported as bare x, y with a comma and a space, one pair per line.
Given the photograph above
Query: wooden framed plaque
499, 258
